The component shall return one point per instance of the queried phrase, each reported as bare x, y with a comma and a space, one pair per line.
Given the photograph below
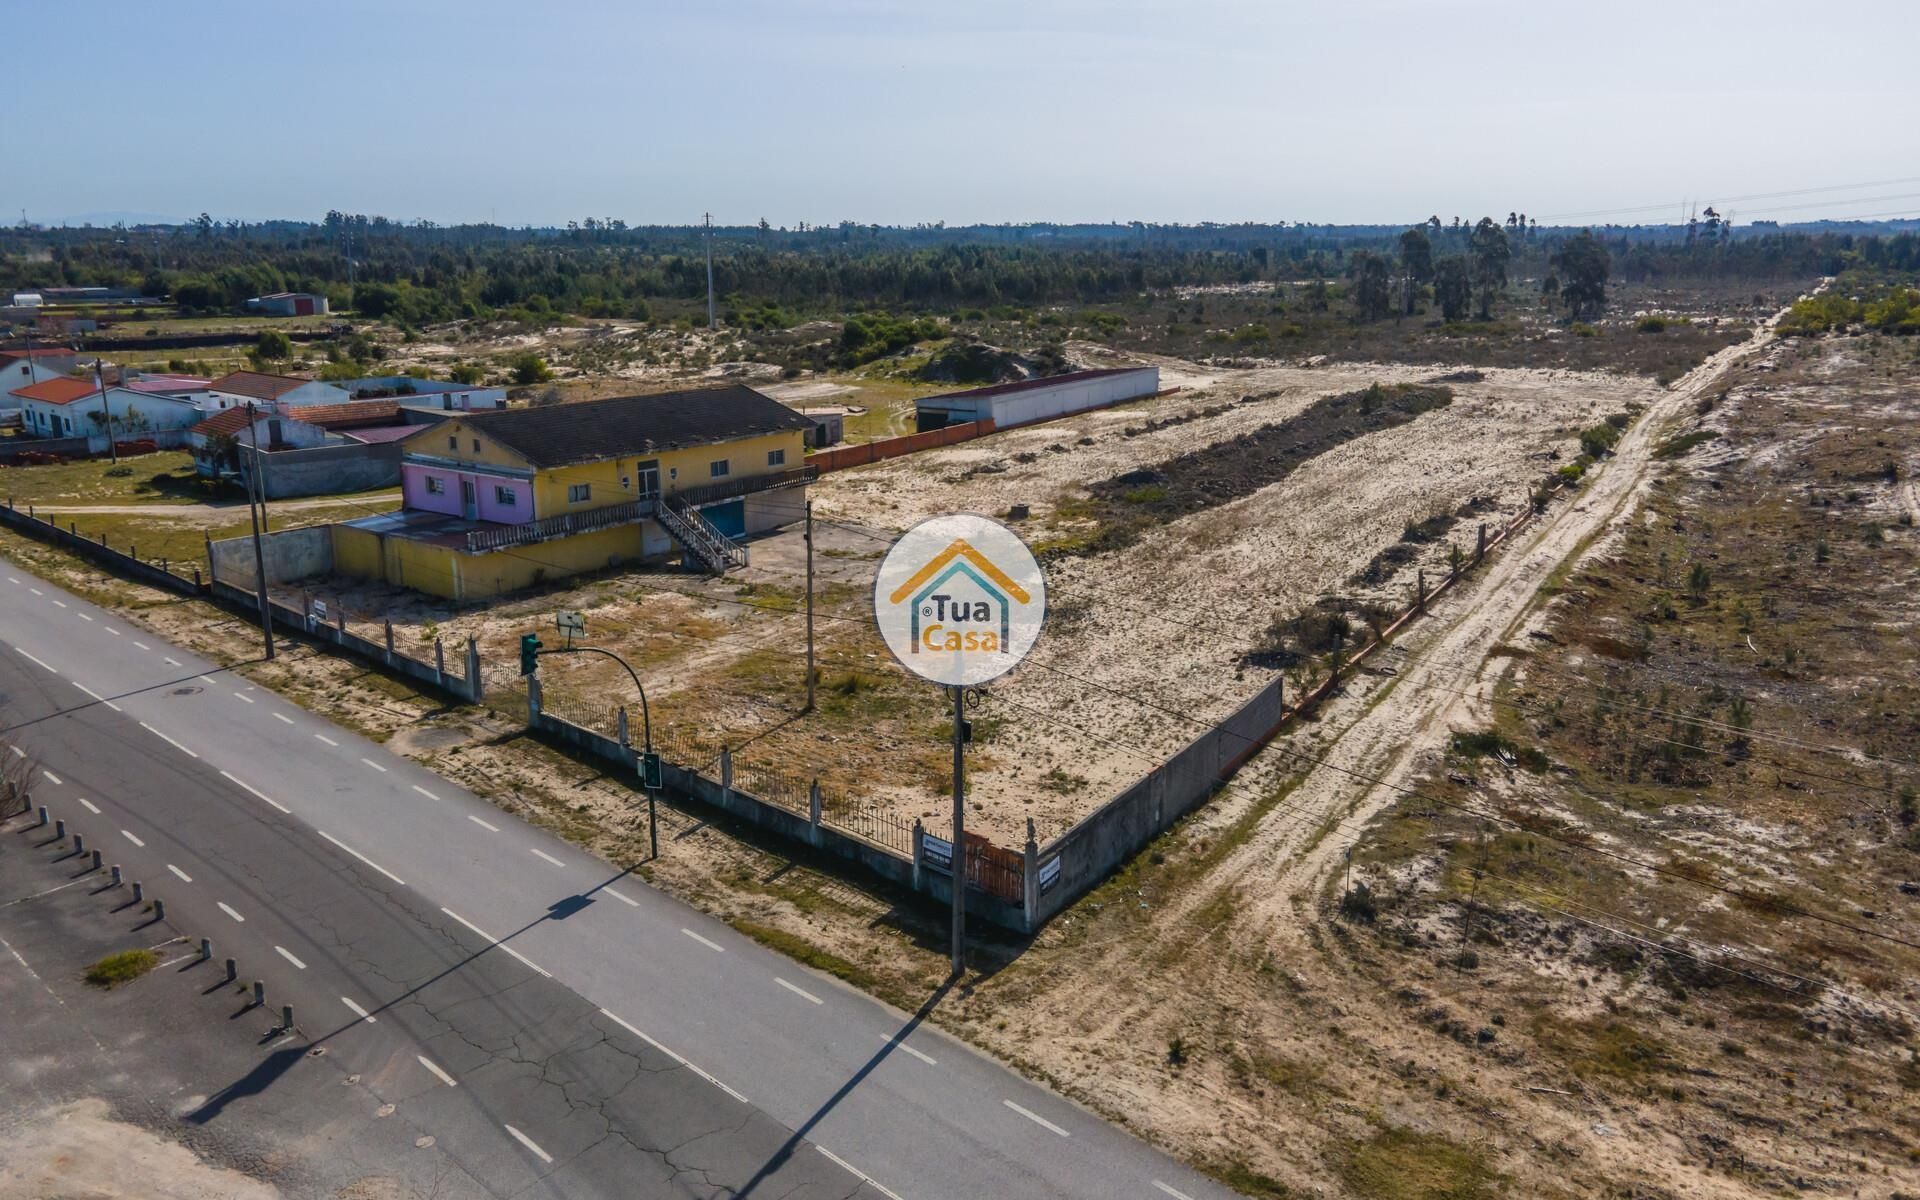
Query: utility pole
810, 669
711, 324
259, 555
106, 409
959, 874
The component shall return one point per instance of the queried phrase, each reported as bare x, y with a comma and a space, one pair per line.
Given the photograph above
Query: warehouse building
1030, 400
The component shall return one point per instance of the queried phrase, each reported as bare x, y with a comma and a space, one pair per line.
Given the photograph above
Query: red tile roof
329, 416
257, 385
224, 423
64, 390
44, 352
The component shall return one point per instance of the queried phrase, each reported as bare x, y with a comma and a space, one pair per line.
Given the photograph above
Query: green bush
273, 345
1597, 441
530, 368
1651, 324
124, 967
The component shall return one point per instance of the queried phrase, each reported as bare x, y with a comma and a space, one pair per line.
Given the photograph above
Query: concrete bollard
286, 1018
79, 844
159, 909
59, 830
206, 949
116, 874
96, 860
43, 816
233, 970
138, 894
259, 992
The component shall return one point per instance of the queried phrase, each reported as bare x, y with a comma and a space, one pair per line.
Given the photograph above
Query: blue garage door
729, 518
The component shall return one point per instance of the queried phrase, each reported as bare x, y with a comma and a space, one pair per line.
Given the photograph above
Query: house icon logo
959, 599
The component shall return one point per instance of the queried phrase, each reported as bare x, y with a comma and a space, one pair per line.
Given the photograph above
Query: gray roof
626, 426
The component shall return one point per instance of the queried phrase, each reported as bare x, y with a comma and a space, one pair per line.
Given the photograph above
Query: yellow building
499, 501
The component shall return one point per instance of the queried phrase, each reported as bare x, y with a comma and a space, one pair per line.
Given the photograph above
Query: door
646, 478
469, 505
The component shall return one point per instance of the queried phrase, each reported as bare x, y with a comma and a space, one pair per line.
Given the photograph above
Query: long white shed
1030, 400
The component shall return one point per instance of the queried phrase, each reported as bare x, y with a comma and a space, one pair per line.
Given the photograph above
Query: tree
1416, 263
1583, 265
1453, 286
273, 345
1491, 251
1372, 291
530, 368
468, 373
204, 224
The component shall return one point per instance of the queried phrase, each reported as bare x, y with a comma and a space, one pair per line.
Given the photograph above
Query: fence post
389, 625
439, 661
475, 688
919, 832
1420, 590
213, 575
340, 618
1030, 880
813, 813
626, 738
1480, 547
726, 769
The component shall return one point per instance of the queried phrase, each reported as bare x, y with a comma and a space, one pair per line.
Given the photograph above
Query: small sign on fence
320, 611
1049, 874
936, 853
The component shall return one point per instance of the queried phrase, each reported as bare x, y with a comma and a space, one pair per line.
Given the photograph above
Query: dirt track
1137, 981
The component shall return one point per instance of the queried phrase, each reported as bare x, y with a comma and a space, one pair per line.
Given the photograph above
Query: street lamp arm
646, 717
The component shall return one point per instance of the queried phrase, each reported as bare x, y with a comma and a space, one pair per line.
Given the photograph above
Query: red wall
860, 454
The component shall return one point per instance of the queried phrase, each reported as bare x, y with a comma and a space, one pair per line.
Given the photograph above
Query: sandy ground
78, 1150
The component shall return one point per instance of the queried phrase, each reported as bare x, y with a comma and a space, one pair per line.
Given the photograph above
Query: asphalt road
562, 1028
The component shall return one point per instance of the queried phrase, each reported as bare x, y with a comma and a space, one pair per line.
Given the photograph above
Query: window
717, 468
578, 492
504, 496
453, 442
776, 458
673, 473
436, 485
476, 445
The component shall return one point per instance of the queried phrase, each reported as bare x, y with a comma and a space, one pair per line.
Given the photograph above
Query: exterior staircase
698, 539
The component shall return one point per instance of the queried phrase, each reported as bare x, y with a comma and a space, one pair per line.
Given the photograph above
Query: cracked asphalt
558, 1027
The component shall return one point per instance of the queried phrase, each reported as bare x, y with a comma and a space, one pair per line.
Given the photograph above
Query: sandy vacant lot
1166, 622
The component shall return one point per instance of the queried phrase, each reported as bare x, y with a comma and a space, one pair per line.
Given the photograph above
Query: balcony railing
728, 489
565, 525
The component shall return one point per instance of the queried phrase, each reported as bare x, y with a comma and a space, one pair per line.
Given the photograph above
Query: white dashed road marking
36, 591
169, 741
88, 805
483, 824
288, 955
522, 959
257, 793
96, 695
622, 897
51, 777
36, 662
184, 877
362, 1013
539, 853
529, 1143
1036, 1118
424, 792
59, 603
376, 766
172, 662
141, 644
113, 631
323, 737
228, 909
363, 858
902, 1045
1177, 1195
798, 991
283, 717
857, 1173
136, 841
708, 943
445, 1078
249, 700
84, 617
675, 1057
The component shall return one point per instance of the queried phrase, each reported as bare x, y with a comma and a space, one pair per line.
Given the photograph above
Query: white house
437, 394
21, 367
72, 407
287, 391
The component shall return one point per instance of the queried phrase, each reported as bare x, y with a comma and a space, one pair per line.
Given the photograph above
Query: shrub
469, 373
124, 967
1596, 441
530, 368
1651, 324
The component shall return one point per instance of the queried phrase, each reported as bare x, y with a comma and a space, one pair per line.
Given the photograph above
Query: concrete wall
327, 470
290, 554
13, 447
862, 453
144, 571
1103, 839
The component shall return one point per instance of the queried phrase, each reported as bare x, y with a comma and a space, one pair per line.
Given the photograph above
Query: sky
980, 111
